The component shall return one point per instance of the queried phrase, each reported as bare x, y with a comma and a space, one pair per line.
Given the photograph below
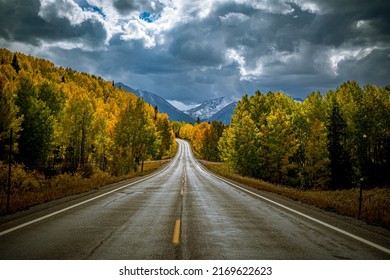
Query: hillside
162, 105
67, 121
224, 114
208, 108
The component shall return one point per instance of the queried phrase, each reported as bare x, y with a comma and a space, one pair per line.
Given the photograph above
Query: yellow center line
177, 227
176, 233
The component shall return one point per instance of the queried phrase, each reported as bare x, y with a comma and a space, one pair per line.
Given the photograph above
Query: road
185, 212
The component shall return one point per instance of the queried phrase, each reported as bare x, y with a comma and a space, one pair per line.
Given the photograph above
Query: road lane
216, 221
132, 223
222, 222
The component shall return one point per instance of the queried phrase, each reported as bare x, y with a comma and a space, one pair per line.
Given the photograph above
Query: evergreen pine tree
340, 164
15, 64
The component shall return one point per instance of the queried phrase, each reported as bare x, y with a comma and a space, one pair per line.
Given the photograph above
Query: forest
66, 122
340, 140
67, 127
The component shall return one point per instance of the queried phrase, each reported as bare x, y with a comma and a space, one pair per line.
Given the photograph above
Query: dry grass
31, 188
375, 205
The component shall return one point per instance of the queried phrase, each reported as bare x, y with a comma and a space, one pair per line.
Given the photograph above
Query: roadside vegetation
375, 204
30, 188
65, 132
320, 151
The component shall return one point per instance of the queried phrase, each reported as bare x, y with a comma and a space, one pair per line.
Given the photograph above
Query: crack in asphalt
102, 241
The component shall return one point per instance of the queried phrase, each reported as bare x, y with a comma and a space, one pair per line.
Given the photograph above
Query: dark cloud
197, 49
373, 69
233, 48
374, 8
125, 6
20, 22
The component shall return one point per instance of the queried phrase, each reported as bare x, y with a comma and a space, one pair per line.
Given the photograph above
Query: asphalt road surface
184, 212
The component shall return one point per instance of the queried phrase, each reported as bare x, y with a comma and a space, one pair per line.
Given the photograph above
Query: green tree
246, 158
225, 147
315, 170
143, 143
372, 136
312, 157
77, 131
53, 97
15, 64
176, 126
340, 161
212, 135
277, 147
8, 119
135, 136
123, 158
164, 131
37, 126
238, 144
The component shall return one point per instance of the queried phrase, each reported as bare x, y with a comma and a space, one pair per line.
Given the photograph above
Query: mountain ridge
209, 108
224, 114
218, 109
163, 105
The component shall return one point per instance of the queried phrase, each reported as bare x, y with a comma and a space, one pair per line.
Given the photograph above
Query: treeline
64, 121
333, 141
203, 136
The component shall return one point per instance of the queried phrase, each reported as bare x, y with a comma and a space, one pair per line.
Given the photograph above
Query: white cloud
171, 14
151, 33
66, 45
365, 26
217, 46
270, 6
51, 10
67, 9
307, 5
247, 73
336, 56
361, 23
136, 29
233, 18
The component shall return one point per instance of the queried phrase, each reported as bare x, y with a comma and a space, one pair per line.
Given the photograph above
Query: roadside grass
375, 203
32, 188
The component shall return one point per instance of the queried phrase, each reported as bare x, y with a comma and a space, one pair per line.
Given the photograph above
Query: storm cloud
190, 50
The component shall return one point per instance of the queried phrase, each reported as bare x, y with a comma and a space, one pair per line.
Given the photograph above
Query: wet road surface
184, 212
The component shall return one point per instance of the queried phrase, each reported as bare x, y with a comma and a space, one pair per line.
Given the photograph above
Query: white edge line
81, 203
365, 241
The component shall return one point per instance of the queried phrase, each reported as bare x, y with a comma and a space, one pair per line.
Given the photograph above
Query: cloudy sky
192, 50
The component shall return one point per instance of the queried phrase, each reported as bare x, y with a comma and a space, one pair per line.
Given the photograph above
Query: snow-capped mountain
224, 114
208, 108
220, 109
162, 105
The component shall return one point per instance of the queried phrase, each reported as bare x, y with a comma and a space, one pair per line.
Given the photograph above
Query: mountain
224, 114
220, 109
208, 108
298, 99
162, 105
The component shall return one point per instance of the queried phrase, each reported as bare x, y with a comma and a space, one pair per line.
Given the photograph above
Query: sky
189, 51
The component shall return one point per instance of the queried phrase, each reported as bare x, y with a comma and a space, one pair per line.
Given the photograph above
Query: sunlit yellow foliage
198, 135
83, 134
187, 131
